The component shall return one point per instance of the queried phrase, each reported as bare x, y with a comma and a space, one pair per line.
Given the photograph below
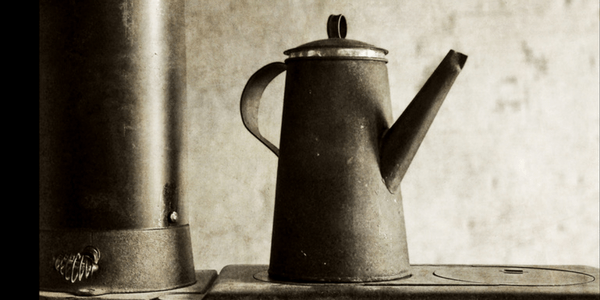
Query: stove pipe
112, 86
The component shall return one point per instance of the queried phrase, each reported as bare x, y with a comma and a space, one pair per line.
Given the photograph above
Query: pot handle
251, 99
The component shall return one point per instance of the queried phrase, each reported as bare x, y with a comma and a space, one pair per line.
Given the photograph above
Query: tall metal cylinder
112, 88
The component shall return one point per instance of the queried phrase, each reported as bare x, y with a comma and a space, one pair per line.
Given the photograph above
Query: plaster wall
508, 172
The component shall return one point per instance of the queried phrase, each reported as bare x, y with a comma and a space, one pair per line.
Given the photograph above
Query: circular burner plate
505, 275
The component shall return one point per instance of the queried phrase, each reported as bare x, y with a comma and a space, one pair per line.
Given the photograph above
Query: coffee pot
338, 213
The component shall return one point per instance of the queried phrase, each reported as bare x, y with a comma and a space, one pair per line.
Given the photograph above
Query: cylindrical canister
112, 89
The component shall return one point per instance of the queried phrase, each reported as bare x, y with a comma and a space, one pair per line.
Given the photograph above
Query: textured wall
508, 173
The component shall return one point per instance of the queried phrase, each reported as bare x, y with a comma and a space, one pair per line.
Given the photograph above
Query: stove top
425, 282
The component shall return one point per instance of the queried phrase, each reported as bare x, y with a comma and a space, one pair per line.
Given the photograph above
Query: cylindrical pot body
335, 220
112, 88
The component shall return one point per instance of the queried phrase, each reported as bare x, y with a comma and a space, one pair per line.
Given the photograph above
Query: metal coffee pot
338, 208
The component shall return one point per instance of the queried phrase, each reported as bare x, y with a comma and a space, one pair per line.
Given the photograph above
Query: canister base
131, 261
204, 279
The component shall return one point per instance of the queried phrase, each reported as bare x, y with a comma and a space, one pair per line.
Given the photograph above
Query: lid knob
336, 27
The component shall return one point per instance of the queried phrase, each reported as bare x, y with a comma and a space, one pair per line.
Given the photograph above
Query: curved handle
251, 99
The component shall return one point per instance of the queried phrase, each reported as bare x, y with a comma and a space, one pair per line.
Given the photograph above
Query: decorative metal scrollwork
75, 267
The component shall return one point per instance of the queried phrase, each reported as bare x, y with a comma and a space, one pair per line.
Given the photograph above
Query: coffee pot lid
337, 46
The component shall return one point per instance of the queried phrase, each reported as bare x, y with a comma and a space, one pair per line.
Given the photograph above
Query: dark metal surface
112, 88
401, 142
204, 281
250, 282
131, 260
250, 101
337, 27
334, 218
338, 209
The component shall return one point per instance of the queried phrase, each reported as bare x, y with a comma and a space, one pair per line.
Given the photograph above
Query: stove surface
196, 291
425, 282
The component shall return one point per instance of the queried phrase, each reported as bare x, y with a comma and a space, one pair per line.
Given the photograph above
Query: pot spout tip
461, 59
402, 140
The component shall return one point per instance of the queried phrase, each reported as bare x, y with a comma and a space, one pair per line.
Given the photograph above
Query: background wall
508, 173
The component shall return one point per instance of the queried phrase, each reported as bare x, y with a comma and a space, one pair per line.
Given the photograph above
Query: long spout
401, 142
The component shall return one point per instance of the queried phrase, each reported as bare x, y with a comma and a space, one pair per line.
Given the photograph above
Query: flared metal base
128, 261
204, 280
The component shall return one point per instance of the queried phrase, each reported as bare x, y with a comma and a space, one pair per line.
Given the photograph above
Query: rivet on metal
173, 217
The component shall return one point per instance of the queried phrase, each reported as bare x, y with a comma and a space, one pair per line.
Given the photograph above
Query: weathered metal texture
483, 282
131, 260
197, 291
401, 142
334, 219
112, 88
338, 207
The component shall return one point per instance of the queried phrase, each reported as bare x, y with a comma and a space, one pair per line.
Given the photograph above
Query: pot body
112, 87
335, 220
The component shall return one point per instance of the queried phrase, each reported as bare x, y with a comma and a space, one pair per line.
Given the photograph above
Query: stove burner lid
504, 275
469, 275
